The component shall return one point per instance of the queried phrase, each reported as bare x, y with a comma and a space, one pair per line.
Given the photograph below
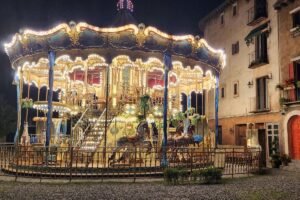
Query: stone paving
278, 185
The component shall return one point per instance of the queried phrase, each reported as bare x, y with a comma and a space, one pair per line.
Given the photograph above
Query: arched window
183, 102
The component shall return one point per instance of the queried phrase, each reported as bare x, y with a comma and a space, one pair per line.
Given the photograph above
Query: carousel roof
134, 41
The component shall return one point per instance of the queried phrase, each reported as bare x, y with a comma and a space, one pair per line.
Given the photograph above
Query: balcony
295, 31
257, 14
257, 59
290, 93
258, 107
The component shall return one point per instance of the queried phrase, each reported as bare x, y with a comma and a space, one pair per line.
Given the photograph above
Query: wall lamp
250, 84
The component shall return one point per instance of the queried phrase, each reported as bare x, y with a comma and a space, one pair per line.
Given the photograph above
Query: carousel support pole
51, 57
18, 83
106, 113
28, 96
217, 110
168, 66
38, 98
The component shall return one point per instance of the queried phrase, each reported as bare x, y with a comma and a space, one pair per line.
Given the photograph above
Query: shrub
195, 175
211, 175
183, 175
171, 175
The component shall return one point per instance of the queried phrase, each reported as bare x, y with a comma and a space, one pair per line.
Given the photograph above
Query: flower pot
275, 163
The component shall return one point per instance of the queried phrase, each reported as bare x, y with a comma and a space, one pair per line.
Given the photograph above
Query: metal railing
91, 126
134, 162
255, 14
77, 129
257, 60
256, 107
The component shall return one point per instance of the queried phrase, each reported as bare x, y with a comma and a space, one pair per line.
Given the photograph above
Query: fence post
134, 164
71, 163
17, 164
232, 163
192, 160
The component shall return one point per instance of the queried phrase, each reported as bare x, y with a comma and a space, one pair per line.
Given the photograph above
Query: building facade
289, 60
247, 31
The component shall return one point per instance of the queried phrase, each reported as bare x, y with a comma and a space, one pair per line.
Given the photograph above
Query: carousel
96, 88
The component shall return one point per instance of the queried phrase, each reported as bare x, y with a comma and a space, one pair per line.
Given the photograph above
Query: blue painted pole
168, 67
19, 109
51, 57
217, 109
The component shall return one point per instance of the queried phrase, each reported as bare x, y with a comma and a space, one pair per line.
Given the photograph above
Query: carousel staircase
94, 133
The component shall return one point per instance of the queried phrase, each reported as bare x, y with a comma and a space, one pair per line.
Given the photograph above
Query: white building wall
236, 29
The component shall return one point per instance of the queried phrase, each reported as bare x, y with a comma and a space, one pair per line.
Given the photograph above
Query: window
273, 139
260, 55
261, 9
220, 137
235, 48
296, 19
234, 9
222, 19
236, 89
198, 102
297, 79
261, 93
222, 92
257, 13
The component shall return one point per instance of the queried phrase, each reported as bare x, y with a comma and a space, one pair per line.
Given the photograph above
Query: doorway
262, 140
240, 137
294, 137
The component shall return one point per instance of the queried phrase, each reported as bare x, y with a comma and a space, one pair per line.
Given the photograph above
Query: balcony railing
256, 60
291, 93
257, 107
257, 14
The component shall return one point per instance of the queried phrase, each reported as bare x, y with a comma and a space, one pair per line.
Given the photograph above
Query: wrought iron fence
133, 162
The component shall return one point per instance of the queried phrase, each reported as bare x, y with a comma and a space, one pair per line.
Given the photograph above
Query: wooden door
240, 138
295, 138
262, 143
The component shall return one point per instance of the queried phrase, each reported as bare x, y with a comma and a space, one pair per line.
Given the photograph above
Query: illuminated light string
125, 4
79, 63
80, 26
57, 107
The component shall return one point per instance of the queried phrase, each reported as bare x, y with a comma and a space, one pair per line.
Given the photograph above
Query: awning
257, 31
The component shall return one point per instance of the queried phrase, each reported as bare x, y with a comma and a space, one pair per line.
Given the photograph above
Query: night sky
171, 16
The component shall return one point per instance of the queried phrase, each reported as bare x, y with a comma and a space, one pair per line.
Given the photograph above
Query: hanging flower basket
27, 103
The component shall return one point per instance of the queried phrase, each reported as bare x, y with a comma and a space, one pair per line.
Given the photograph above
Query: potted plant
275, 156
176, 118
283, 100
280, 86
285, 159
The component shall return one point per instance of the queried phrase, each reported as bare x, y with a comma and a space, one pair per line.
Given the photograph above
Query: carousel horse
154, 133
126, 142
178, 143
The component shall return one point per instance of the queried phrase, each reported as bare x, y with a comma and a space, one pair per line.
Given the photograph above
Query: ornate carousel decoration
106, 83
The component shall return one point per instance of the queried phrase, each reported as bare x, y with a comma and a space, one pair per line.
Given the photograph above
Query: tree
144, 104
8, 118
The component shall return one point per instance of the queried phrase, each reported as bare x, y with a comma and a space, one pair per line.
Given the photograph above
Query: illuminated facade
100, 74
248, 33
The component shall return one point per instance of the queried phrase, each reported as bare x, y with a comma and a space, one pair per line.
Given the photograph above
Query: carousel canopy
82, 40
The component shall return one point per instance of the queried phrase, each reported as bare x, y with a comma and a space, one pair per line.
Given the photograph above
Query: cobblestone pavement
278, 185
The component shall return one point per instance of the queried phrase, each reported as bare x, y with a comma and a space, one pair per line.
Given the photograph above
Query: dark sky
171, 16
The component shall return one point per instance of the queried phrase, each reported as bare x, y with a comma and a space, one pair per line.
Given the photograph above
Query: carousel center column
168, 66
51, 57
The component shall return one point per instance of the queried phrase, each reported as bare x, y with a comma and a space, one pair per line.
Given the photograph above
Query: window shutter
291, 71
292, 95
